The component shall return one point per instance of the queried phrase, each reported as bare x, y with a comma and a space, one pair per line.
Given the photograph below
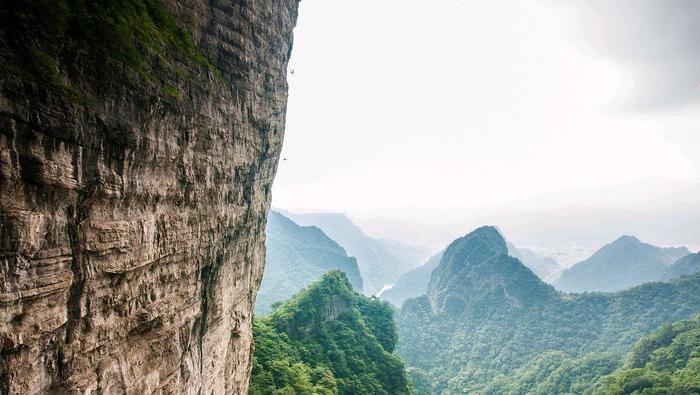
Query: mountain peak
323, 301
331, 337
487, 237
295, 256
478, 265
627, 239
624, 263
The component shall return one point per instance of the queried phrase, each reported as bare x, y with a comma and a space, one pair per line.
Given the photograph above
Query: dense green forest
486, 316
488, 325
328, 339
666, 362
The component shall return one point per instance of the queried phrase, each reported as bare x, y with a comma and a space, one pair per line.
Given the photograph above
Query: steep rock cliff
138, 143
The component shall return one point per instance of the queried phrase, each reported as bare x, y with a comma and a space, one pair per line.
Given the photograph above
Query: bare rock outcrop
132, 214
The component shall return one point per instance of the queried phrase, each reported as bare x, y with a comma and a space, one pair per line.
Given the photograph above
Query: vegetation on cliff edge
328, 340
59, 44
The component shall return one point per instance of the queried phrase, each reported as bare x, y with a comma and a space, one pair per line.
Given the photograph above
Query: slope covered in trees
328, 340
295, 257
415, 282
486, 315
689, 264
666, 362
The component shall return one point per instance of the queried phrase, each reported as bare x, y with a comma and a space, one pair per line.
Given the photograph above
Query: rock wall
132, 222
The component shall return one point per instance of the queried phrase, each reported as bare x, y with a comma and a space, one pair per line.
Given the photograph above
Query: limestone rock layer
132, 222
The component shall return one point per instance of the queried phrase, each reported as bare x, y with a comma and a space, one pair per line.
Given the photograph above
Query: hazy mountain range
381, 261
568, 225
624, 263
415, 282
476, 317
689, 264
296, 256
545, 267
487, 315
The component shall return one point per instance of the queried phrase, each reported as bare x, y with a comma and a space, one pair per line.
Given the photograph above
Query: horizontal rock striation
132, 210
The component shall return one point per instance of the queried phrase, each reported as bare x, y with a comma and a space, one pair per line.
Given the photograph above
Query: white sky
412, 105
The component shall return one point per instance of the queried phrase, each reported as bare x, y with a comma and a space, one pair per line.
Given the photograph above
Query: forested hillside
666, 362
486, 315
328, 339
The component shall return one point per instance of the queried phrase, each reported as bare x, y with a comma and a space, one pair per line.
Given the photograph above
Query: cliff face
132, 211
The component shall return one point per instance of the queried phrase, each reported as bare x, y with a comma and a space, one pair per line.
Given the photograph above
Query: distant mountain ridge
624, 263
486, 315
415, 282
546, 268
296, 256
687, 265
381, 261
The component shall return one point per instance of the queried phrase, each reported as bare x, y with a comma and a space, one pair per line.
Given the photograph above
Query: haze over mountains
415, 282
689, 264
295, 257
568, 225
544, 267
486, 314
381, 261
624, 263
477, 316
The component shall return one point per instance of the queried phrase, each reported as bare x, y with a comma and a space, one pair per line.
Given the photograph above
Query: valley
330, 197
478, 310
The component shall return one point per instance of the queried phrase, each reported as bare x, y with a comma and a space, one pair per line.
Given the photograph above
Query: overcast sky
415, 105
